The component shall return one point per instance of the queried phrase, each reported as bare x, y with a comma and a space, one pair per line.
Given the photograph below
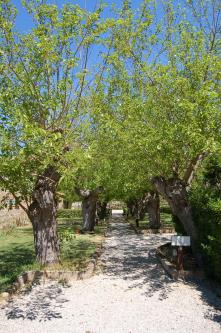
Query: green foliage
206, 201
45, 79
155, 112
66, 236
148, 107
69, 213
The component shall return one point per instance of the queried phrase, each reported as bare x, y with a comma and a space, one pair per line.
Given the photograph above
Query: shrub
66, 236
205, 198
208, 219
69, 213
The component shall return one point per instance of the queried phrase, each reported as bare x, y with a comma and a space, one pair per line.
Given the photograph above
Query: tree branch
87, 193
14, 195
194, 164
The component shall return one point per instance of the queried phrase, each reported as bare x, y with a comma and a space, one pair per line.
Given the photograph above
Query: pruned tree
45, 78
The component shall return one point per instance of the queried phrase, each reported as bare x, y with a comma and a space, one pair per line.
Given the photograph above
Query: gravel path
132, 295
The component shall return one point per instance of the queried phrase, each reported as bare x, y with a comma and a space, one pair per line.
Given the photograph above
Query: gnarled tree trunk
89, 203
89, 212
174, 192
140, 208
153, 209
42, 213
102, 209
135, 208
131, 207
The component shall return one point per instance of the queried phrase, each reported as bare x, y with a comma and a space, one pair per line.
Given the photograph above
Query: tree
89, 206
44, 80
167, 100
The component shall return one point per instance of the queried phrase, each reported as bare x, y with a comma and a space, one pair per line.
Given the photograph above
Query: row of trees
135, 125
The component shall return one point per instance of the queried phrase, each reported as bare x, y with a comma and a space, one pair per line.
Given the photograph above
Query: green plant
205, 198
66, 236
69, 213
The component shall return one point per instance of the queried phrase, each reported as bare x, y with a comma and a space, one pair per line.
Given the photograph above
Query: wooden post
180, 258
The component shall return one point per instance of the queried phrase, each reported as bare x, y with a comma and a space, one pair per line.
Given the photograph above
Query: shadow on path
38, 303
132, 257
128, 257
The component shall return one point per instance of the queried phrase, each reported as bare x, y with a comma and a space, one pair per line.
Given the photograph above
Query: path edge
29, 277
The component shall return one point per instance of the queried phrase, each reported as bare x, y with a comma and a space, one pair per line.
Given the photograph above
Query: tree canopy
139, 118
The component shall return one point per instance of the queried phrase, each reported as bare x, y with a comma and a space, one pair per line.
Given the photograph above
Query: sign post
179, 242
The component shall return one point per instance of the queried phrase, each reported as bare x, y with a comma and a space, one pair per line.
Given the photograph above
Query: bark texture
89, 205
153, 209
102, 209
150, 203
140, 208
42, 213
131, 207
174, 192
89, 212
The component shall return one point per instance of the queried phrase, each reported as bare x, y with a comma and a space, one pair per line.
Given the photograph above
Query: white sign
117, 211
180, 240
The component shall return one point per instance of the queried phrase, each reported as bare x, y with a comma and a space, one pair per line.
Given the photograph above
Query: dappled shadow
132, 258
214, 317
12, 261
77, 252
40, 303
208, 289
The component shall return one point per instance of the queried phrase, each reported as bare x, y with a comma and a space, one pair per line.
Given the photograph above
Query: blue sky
24, 22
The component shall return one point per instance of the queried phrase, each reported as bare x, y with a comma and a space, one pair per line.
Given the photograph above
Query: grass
17, 249
165, 218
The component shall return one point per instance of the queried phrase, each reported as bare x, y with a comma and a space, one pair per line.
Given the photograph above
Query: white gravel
132, 295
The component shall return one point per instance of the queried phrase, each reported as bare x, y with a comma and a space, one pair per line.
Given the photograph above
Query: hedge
69, 213
208, 220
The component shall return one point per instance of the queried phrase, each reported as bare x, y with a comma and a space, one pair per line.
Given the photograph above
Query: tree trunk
174, 192
42, 213
131, 207
140, 209
153, 209
89, 212
102, 209
67, 204
89, 204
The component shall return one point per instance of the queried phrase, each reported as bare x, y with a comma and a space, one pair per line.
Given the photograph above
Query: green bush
69, 213
66, 236
165, 209
205, 198
208, 220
